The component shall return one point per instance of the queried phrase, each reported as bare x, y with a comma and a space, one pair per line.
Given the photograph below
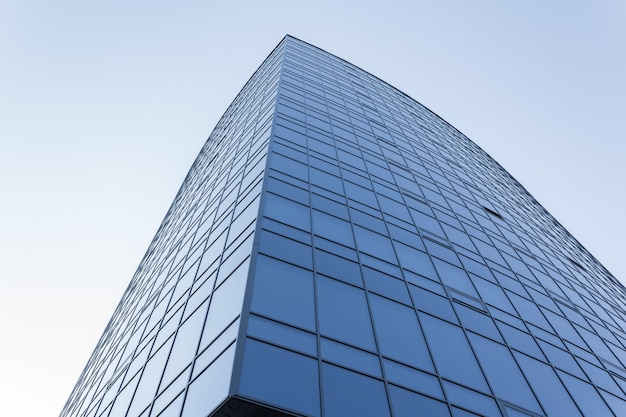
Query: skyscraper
339, 250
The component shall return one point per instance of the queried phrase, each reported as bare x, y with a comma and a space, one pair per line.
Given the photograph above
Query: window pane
338, 267
287, 211
585, 396
503, 373
350, 357
547, 386
453, 356
343, 313
467, 398
280, 377
284, 292
399, 334
374, 244
281, 334
211, 387
412, 378
405, 403
287, 249
387, 285
332, 228
347, 393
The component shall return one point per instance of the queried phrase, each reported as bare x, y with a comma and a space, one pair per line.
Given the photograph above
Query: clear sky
104, 106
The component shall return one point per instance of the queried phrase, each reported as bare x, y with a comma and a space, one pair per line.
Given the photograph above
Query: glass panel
281, 334
150, 379
412, 378
338, 267
173, 409
350, 357
618, 405
454, 277
225, 307
347, 393
280, 377
586, 396
415, 260
529, 311
547, 387
561, 359
283, 292
405, 403
374, 244
432, 303
332, 228
519, 340
503, 374
493, 294
399, 334
386, 285
216, 348
124, 397
477, 322
287, 249
287, 211
452, 354
467, 398
185, 345
343, 313
211, 387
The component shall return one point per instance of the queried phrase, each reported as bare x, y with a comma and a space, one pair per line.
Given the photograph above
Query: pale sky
104, 106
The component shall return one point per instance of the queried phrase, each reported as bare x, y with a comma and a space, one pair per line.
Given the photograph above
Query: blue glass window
503, 374
186, 343
281, 377
225, 307
343, 313
211, 387
529, 311
399, 333
586, 396
327, 181
481, 404
338, 267
348, 393
282, 335
561, 359
150, 378
552, 395
454, 277
412, 378
477, 321
432, 303
332, 228
287, 211
452, 354
493, 294
284, 292
520, 340
350, 357
287, 249
405, 403
415, 260
374, 244
386, 285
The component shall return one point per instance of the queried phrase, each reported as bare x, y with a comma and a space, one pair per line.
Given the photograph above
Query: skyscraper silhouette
339, 250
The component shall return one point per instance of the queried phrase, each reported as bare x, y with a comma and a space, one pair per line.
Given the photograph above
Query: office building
339, 250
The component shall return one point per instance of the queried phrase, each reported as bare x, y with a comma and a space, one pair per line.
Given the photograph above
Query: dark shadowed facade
338, 250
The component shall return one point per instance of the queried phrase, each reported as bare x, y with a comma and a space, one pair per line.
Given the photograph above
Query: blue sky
103, 108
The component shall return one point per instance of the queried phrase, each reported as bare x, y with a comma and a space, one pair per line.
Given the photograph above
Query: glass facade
339, 250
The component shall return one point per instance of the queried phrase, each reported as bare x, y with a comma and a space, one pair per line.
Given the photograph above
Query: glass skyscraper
339, 250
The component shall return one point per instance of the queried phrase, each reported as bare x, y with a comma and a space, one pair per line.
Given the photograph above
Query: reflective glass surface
337, 249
